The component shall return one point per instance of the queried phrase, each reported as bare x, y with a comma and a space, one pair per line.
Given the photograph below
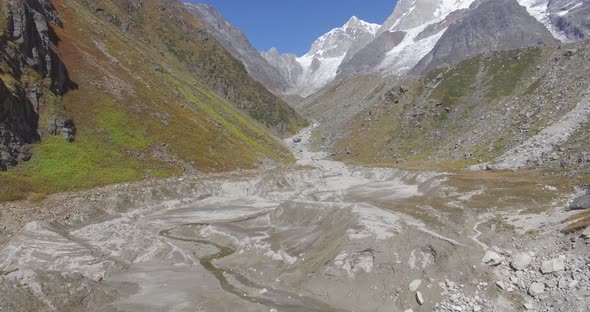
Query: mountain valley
152, 159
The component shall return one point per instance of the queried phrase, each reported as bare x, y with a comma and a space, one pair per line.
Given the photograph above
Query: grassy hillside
469, 113
143, 106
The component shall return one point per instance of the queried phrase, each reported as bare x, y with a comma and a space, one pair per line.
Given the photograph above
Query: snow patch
539, 9
409, 52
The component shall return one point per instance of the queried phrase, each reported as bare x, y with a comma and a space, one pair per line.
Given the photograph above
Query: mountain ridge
320, 64
409, 35
235, 42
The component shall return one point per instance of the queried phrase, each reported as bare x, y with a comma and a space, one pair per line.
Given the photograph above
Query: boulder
414, 285
551, 283
582, 202
502, 285
419, 298
536, 289
554, 265
492, 257
520, 261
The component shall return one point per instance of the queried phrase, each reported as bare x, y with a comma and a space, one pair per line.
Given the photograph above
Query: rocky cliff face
33, 77
235, 42
286, 64
487, 26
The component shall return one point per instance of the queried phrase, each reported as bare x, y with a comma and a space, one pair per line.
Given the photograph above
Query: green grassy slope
140, 109
476, 111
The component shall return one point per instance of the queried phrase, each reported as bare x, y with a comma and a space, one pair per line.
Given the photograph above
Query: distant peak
357, 23
353, 19
273, 51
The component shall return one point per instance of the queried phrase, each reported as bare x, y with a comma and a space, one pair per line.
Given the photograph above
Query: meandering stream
333, 238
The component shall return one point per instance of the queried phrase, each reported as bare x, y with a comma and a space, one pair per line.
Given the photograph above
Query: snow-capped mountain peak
319, 66
339, 40
355, 23
409, 14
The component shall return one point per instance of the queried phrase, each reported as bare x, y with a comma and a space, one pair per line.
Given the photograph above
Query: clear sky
293, 25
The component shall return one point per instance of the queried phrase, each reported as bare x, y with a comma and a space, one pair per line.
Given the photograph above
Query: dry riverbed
320, 236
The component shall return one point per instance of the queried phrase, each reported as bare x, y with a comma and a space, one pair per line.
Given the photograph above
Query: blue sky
292, 26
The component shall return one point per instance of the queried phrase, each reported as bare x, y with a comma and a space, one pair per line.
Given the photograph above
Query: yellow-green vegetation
506, 69
501, 191
125, 131
457, 84
141, 110
58, 165
7, 77
2, 20
577, 222
217, 69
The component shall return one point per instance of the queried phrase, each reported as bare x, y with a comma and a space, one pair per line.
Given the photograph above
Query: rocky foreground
320, 236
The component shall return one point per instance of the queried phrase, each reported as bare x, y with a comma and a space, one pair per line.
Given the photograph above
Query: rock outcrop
33, 77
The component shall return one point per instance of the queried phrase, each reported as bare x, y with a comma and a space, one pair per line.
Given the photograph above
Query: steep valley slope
116, 91
456, 116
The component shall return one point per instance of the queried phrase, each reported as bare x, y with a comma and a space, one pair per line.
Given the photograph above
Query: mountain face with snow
492, 25
319, 66
286, 73
420, 21
406, 37
418, 36
568, 20
236, 43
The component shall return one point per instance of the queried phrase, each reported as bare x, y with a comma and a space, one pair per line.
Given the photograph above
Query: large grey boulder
553, 265
414, 285
536, 289
520, 261
492, 258
582, 202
